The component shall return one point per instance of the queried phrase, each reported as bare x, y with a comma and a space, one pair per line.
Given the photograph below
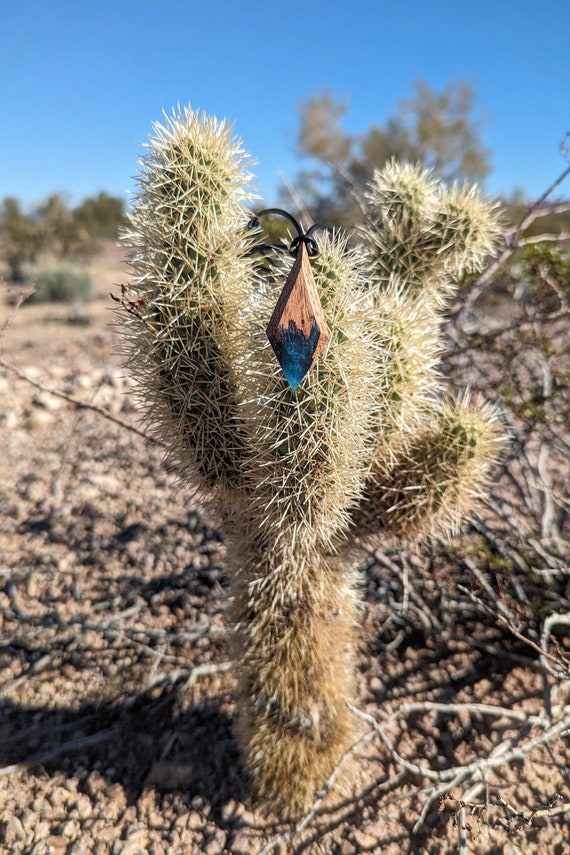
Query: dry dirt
116, 690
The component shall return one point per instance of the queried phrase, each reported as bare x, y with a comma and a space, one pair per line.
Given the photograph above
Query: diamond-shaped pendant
297, 330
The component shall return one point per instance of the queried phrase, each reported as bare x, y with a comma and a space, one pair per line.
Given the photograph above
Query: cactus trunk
294, 613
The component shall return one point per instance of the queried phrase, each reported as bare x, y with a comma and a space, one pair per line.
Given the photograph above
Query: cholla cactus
365, 447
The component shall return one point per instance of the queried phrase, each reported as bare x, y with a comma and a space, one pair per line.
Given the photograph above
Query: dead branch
76, 402
546, 237
512, 238
187, 676
446, 779
79, 744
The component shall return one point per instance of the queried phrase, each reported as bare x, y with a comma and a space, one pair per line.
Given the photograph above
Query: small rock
84, 807
11, 831
28, 819
38, 419
40, 848
81, 847
129, 816
195, 820
155, 820
84, 381
232, 811
105, 834
41, 829
32, 587
216, 844
46, 691
182, 820
128, 847
247, 818
95, 784
136, 831
241, 843
9, 420
58, 843
70, 829
115, 795
47, 401
364, 842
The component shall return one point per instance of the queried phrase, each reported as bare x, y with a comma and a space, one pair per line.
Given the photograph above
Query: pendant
297, 330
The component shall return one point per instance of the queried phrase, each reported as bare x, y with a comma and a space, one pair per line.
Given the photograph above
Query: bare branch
545, 238
76, 402
513, 238
41, 759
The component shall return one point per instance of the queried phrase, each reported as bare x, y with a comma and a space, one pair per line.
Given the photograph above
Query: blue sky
82, 81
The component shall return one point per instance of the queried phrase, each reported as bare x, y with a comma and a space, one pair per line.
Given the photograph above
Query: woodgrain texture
297, 329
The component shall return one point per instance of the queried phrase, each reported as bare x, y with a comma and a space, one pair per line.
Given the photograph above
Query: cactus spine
364, 447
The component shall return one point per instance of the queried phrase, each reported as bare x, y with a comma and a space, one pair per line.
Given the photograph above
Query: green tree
101, 215
437, 129
20, 238
63, 236
50, 230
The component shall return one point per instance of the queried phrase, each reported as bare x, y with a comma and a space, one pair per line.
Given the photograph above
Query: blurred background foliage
54, 235
440, 130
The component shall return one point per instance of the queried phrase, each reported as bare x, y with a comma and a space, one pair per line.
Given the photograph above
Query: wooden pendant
297, 330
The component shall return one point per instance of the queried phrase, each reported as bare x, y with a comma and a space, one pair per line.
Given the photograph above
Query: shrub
61, 286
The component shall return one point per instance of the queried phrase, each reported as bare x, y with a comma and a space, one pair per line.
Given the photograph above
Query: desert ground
116, 679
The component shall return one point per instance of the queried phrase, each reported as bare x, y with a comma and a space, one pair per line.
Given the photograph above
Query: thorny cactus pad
366, 446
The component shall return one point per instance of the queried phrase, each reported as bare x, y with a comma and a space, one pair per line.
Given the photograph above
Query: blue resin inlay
295, 352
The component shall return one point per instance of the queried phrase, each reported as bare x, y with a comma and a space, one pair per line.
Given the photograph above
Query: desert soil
116, 683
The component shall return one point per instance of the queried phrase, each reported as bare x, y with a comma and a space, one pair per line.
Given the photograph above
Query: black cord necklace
297, 330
